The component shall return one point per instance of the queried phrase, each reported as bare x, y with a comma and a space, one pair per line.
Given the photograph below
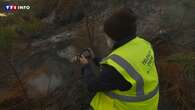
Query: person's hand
83, 60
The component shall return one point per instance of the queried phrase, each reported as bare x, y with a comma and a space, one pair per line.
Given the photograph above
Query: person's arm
107, 79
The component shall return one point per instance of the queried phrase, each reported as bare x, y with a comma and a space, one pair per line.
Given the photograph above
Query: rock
60, 37
50, 18
67, 53
44, 73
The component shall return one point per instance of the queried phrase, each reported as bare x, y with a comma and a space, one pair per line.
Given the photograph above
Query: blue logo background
6, 7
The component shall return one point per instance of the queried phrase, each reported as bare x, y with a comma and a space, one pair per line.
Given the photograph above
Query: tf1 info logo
15, 7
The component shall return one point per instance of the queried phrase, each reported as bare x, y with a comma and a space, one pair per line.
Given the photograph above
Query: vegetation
175, 56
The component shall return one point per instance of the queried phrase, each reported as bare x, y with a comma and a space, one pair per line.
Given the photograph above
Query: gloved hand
88, 53
84, 57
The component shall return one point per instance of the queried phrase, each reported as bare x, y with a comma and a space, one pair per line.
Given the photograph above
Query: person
127, 78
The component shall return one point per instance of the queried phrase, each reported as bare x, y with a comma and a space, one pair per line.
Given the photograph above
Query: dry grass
174, 83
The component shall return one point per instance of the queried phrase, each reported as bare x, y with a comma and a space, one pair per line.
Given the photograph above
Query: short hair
121, 24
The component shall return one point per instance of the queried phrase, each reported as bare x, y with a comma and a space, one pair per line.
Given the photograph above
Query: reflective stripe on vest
140, 96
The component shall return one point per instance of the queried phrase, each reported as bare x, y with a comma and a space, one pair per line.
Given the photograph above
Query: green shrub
42, 8
32, 27
183, 58
188, 61
7, 34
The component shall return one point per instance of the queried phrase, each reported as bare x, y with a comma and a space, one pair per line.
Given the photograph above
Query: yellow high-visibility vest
135, 62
